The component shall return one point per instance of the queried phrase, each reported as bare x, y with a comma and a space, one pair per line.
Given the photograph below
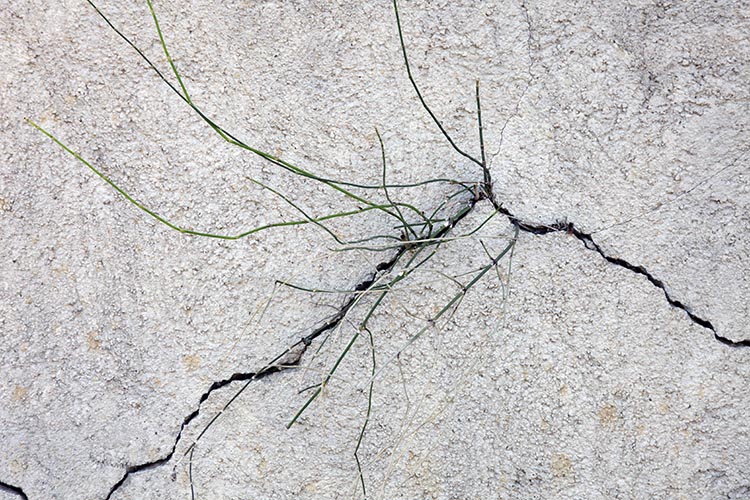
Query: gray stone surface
636, 128
629, 120
580, 398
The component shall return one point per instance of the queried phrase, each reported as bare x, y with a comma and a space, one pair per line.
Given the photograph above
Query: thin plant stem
419, 93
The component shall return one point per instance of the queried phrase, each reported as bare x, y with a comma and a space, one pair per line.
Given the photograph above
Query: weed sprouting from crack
419, 239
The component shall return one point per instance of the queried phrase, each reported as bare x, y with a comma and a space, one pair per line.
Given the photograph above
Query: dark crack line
16, 490
279, 364
297, 350
248, 376
271, 368
291, 357
590, 244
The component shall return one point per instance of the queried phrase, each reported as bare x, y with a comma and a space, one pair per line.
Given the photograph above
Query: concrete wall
605, 357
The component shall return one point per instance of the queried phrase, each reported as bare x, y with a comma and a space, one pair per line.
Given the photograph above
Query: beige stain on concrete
191, 362
561, 465
608, 415
19, 393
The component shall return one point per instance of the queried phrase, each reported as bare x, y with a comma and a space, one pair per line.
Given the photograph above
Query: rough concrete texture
627, 121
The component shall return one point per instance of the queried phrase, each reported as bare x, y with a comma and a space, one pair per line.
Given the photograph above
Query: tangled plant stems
420, 237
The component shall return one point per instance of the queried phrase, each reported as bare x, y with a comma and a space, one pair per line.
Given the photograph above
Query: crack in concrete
292, 356
15, 490
247, 376
516, 112
289, 359
590, 244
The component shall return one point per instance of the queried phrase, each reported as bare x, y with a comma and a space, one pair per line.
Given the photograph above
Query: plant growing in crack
415, 239
419, 238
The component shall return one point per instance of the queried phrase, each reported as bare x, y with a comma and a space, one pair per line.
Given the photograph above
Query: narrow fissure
298, 349
590, 244
16, 490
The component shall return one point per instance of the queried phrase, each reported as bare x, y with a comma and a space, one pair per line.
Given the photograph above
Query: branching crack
291, 357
